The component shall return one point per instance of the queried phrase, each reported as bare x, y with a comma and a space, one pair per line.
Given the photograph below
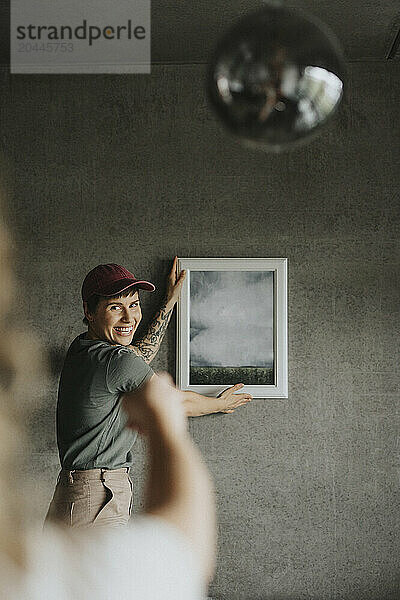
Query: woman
167, 553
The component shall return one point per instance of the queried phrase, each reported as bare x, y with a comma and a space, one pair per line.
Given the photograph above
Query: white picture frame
219, 285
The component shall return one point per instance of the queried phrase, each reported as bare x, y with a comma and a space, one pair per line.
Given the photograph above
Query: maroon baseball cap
110, 280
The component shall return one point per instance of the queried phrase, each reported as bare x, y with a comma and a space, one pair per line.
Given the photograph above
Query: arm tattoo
148, 346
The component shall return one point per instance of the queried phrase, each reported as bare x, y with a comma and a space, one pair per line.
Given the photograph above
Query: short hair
94, 300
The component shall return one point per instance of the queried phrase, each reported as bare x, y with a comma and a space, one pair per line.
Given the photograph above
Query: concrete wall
135, 169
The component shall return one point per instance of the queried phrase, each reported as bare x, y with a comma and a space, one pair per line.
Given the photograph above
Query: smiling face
115, 320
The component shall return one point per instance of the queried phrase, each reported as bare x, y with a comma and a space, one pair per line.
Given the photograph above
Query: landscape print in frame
232, 326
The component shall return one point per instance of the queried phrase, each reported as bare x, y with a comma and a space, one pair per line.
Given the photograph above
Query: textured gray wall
135, 169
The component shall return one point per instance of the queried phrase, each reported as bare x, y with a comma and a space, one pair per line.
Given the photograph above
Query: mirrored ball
276, 77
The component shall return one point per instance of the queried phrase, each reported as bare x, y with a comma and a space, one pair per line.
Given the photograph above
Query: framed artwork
232, 326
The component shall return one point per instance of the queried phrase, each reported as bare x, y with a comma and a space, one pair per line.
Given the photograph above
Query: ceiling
185, 31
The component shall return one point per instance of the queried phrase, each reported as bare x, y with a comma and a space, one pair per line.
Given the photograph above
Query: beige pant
93, 498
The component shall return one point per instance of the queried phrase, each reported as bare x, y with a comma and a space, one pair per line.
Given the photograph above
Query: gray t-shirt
91, 430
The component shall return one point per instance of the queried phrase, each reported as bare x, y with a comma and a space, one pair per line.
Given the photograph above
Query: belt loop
102, 471
70, 476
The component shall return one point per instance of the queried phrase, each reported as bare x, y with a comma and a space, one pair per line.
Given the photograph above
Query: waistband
93, 474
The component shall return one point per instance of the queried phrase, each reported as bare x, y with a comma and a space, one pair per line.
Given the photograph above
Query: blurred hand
156, 405
231, 401
174, 283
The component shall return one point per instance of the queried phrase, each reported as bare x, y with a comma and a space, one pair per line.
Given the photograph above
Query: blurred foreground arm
179, 488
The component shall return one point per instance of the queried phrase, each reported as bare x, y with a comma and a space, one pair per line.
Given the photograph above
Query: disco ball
276, 77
